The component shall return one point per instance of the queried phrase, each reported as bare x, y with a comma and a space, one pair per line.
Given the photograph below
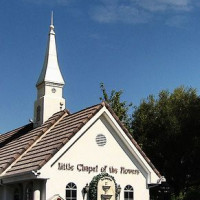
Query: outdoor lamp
119, 189
86, 189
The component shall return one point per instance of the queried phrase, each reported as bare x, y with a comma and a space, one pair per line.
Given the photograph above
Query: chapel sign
96, 169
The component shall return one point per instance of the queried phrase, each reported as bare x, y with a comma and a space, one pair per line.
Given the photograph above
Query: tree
121, 108
192, 194
168, 130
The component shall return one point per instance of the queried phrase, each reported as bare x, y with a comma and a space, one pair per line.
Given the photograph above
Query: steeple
50, 83
51, 71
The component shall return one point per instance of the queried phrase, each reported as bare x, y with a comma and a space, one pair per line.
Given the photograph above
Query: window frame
71, 191
128, 192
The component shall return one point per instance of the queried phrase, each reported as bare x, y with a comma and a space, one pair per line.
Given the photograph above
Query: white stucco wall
85, 151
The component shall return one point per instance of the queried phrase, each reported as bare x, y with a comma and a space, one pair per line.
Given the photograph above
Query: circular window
101, 140
53, 90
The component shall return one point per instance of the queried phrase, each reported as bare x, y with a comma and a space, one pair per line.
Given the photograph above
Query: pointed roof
51, 70
26, 149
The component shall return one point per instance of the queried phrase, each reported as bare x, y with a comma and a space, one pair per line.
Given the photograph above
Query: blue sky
139, 46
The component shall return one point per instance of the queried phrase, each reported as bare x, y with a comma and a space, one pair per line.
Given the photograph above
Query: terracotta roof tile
54, 139
14, 143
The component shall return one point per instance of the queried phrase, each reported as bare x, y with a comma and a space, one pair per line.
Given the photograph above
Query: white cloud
163, 5
112, 12
131, 11
50, 2
138, 11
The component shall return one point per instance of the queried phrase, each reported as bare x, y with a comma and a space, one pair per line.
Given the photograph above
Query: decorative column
36, 190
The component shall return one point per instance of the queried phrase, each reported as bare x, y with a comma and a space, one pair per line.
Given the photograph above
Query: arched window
29, 192
128, 193
71, 191
38, 113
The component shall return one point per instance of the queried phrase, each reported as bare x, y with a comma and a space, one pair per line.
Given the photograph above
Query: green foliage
168, 129
192, 194
94, 183
121, 108
179, 197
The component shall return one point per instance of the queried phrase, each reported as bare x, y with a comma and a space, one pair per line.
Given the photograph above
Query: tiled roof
26, 149
14, 143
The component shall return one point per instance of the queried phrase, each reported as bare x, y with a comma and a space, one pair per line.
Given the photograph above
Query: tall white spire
50, 83
51, 70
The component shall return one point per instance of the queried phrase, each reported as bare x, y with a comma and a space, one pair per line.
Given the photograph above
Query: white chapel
87, 155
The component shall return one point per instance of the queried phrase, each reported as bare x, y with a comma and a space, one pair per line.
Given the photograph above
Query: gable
83, 154
98, 147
